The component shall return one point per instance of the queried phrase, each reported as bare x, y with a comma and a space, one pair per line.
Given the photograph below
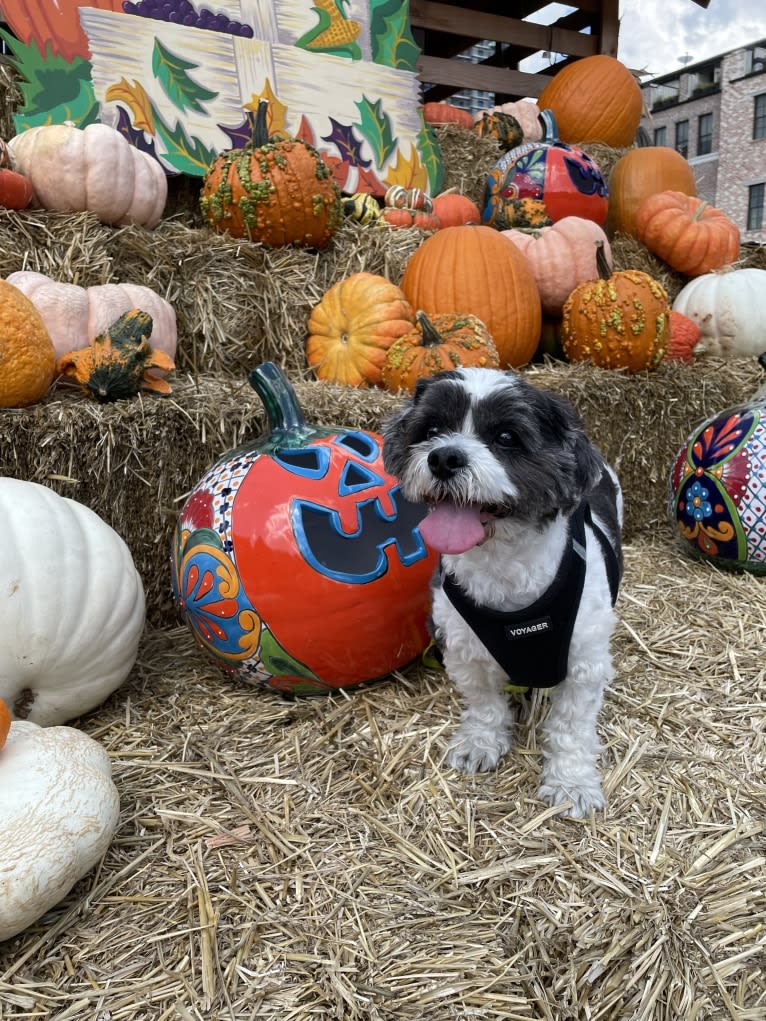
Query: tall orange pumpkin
474, 269
594, 99
642, 172
690, 235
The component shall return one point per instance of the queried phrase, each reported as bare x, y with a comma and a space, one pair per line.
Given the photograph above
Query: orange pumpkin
454, 209
473, 269
445, 341
445, 113
5, 722
684, 337
353, 326
620, 321
687, 233
642, 172
594, 99
561, 257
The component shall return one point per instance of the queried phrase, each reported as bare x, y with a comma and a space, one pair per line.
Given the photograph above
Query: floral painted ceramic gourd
297, 563
566, 179
717, 488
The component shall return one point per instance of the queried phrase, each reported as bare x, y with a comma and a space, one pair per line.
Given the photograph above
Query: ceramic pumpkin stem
282, 409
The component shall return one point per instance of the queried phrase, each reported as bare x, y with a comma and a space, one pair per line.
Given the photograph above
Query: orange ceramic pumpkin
687, 233
642, 172
594, 99
474, 269
620, 321
445, 341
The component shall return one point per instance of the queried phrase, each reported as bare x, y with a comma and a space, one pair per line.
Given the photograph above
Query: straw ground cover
318, 859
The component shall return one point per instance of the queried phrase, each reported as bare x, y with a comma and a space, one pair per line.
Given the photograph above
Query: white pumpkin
93, 168
59, 810
74, 316
729, 306
71, 605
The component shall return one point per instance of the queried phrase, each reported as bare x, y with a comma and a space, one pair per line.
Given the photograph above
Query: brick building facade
714, 113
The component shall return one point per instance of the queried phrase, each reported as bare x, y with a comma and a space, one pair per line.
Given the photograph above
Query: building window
705, 134
682, 138
755, 206
661, 136
759, 116
755, 59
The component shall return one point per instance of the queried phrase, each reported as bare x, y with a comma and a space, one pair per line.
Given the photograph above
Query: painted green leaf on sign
390, 36
171, 72
184, 154
431, 155
375, 126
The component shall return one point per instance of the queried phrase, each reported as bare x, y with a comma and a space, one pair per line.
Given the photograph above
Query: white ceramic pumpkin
93, 168
71, 605
74, 316
59, 810
729, 306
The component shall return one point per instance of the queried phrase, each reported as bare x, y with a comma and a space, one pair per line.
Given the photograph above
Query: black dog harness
532, 645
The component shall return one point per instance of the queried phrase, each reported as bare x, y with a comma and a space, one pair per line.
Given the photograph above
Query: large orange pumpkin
594, 99
474, 269
642, 172
687, 233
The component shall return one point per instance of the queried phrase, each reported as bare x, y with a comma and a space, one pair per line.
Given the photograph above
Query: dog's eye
505, 438
432, 432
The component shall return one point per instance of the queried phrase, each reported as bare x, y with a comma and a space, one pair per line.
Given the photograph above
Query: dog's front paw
584, 794
473, 752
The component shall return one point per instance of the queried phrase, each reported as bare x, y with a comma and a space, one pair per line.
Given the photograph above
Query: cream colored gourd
93, 168
74, 315
59, 810
729, 306
71, 605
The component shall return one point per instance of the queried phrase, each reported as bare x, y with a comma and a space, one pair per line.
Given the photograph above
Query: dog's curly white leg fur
486, 727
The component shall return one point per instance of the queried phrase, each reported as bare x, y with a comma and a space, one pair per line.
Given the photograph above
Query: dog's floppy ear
565, 428
393, 429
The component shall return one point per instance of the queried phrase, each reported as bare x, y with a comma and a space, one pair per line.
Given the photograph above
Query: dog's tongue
452, 529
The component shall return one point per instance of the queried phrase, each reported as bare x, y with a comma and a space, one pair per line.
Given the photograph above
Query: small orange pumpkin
445, 341
5, 722
641, 172
620, 321
353, 326
454, 209
687, 233
445, 113
684, 337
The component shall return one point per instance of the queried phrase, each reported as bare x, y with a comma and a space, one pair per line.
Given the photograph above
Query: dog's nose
445, 462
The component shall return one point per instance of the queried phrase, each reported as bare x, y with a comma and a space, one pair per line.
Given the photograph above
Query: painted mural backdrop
182, 79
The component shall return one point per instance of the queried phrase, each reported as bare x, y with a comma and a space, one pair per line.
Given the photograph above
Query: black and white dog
527, 516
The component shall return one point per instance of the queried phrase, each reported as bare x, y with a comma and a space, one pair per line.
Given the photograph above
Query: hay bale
133, 462
10, 99
467, 159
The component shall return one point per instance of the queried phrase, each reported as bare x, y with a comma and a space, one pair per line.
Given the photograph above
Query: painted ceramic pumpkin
565, 178
297, 563
717, 488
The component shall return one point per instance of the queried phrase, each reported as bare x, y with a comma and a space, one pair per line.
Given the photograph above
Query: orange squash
474, 269
687, 233
642, 172
594, 99
454, 209
5, 723
445, 341
620, 321
445, 113
684, 337
353, 326
27, 356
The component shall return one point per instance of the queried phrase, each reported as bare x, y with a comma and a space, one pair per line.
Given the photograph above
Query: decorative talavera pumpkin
93, 168
72, 606
642, 172
473, 269
687, 233
717, 488
566, 179
74, 316
297, 563
58, 813
278, 191
729, 307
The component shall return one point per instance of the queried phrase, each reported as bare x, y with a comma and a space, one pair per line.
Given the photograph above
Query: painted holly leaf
53, 89
278, 661
276, 115
135, 137
408, 172
135, 98
306, 132
242, 135
338, 167
370, 182
342, 137
376, 128
431, 155
390, 36
186, 155
172, 73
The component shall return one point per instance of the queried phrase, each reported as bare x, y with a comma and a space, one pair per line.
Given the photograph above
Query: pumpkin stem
697, 214
431, 337
260, 133
282, 409
604, 270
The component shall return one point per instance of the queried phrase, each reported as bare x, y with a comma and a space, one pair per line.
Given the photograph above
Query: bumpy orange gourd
439, 342
642, 172
620, 321
526, 112
594, 99
475, 270
5, 722
27, 357
501, 126
687, 233
276, 191
353, 326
